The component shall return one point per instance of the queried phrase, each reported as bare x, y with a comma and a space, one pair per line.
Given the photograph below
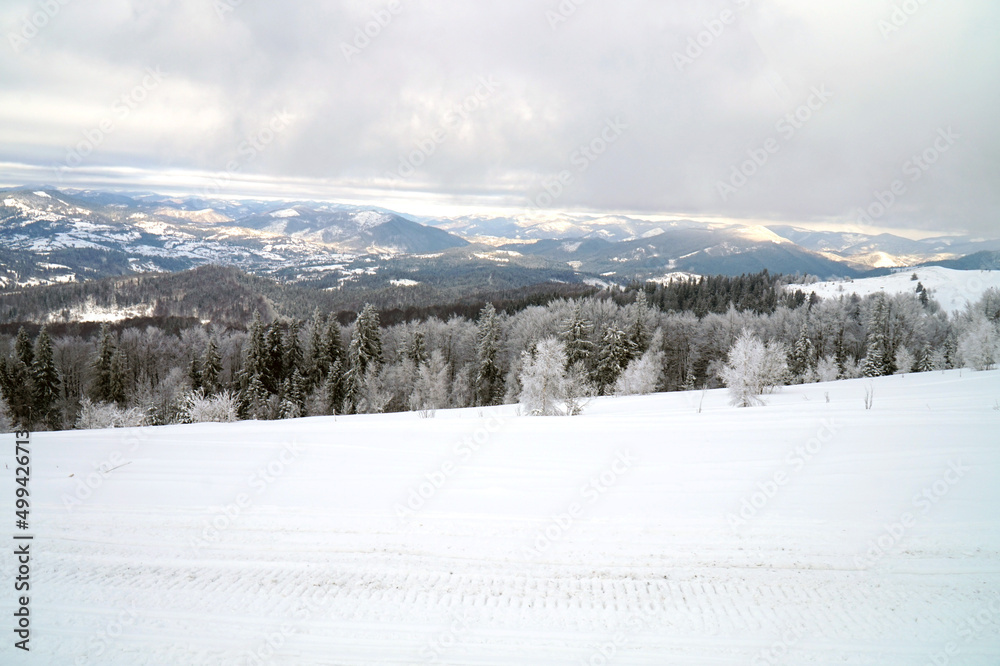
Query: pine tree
615, 352
364, 354
638, 335
211, 368
489, 376
416, 351
274, 351
576, 334
334, 389
430, 391
194, 374
46, 382
333, 349
317, 360
803, 357
116, 380
103, 391
16, 382
294, 357
879, 354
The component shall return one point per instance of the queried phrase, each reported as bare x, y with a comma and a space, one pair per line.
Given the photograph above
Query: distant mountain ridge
50, 236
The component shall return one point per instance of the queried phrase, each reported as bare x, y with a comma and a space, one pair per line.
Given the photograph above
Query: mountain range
50, 236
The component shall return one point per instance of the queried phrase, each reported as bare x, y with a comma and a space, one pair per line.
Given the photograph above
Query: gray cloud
405, 113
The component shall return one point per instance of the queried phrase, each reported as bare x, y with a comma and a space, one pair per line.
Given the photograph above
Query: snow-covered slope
951, 288
666, 529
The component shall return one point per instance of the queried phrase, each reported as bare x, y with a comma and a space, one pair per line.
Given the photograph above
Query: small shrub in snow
99, 415
219, 408
827, 370
753, 369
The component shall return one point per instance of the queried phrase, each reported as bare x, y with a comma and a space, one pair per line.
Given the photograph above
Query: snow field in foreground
808, 531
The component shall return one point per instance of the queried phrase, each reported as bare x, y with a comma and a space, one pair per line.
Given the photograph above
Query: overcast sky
626, 106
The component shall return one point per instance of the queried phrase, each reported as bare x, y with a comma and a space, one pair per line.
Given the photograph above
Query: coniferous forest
640, 339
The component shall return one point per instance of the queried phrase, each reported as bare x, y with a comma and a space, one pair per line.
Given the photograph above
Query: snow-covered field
647, 531
949, 287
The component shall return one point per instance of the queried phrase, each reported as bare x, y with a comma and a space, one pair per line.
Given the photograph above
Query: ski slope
951, 288
664, 529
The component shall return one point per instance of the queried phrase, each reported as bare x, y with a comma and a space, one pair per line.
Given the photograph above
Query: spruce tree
46, 382
116, 382
489, 376
803, 356
16, 382
576, 334
274, 354
364, 354
211, 368
294, 360
615, 352
416, 351
194, 373
103, 391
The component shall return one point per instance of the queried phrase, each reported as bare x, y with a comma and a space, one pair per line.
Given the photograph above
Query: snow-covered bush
904, 361
753, 369
827, 369
219, 408
430, 390
108, 415
641, 376
543, 379
979, 345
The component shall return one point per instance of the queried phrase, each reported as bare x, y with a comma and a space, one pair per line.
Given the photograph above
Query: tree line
620, 341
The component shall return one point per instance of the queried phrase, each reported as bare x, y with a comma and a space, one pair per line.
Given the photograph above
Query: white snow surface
951, 288
534, 540
287, 212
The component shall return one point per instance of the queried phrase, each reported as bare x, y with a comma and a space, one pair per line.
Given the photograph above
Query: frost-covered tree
489, 376
828, 370
364, 360
642, 375
101, 415
803, 357
543, 379
613, 356
979, 344
752, 369
576, 334
431, 389
904, 361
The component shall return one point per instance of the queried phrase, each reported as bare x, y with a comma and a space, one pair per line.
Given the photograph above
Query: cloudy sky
764, 110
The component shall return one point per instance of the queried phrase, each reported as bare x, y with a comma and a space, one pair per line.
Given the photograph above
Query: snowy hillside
951, 288
664, 529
